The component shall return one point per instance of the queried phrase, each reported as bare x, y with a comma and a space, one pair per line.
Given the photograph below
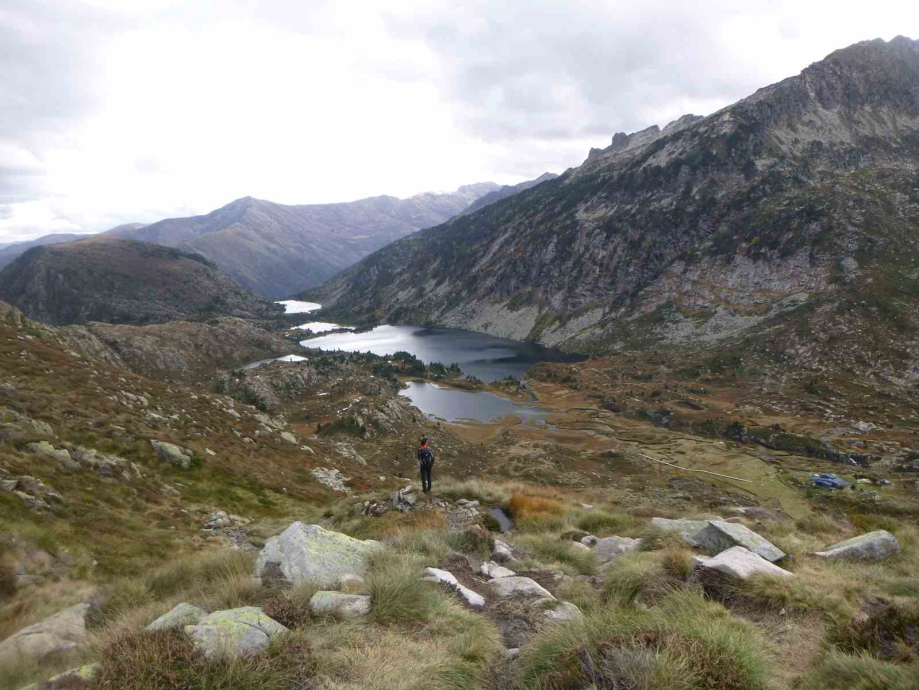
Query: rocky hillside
277, 250
9, 252
797, 205
123, 281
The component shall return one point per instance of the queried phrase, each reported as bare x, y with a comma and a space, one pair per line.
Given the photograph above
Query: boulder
442, 576
501, 552
688, 529
332, 478
289, 437
216, 520
611, 548
336, 603
558, 611
87, 673
578, 546
504, 587
183, 614
493, 570
873, 546
589, 540
741, 563
310, 552
62, 632
175, 456
235, 632
721, 535
718, 535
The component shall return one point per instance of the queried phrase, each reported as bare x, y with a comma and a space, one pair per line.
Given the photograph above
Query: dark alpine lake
486, 357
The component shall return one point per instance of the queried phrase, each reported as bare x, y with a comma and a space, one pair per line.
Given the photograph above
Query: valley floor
125, 496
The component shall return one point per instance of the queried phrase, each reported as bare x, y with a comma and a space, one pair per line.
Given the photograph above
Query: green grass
839, 671
549, 549
398, 595
685, 643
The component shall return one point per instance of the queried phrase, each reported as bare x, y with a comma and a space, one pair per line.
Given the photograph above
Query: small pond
453, 405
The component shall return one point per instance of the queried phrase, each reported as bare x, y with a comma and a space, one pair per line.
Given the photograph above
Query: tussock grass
167, 659
487, 493
889, 632
213, 581
684, 643
839, 671
398, 595
550, 550
601, 523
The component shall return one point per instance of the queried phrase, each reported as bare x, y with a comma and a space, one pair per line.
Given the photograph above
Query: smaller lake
292, 306
320, 327
453, 405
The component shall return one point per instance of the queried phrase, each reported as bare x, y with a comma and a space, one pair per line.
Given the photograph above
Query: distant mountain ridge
507, 191
123, 281
276, 249
798, 204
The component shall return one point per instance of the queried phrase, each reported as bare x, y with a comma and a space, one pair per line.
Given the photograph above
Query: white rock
336, 603
589, 540
873, 546
504, 587
310, 552
578, 546
502, 552
493, 570
558, 611
472, 598
63, 631
611, 548
741, 563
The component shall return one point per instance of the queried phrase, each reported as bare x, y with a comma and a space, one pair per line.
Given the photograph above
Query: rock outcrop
740, 563
181, 615
62, 632
310, 552
234, 632
874, 546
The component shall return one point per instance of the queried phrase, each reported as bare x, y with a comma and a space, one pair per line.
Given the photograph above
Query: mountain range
799, 203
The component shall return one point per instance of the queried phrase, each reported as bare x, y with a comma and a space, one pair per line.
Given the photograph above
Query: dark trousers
426, 477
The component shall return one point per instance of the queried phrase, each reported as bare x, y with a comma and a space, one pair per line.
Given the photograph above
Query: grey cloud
506, 62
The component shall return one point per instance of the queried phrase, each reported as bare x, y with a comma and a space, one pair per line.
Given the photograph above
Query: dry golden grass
523, 506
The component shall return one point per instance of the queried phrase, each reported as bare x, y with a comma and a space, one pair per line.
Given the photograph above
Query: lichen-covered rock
611, 548
873, 546
332, 478
336, 603
504, 587
217, 520
235, 632
310, 552
62, 632
442, 576
171, 453
741, 563
720, 535
493, 570
183, 614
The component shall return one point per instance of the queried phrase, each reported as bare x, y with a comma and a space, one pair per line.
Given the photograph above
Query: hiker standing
425, 464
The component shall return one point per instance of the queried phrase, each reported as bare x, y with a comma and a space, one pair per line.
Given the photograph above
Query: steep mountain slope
800, 200
507, 191
122, 281
276, 250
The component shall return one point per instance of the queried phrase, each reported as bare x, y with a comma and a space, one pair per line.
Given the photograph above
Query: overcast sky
117, 111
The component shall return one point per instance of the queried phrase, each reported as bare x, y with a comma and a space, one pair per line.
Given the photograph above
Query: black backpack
426, 457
